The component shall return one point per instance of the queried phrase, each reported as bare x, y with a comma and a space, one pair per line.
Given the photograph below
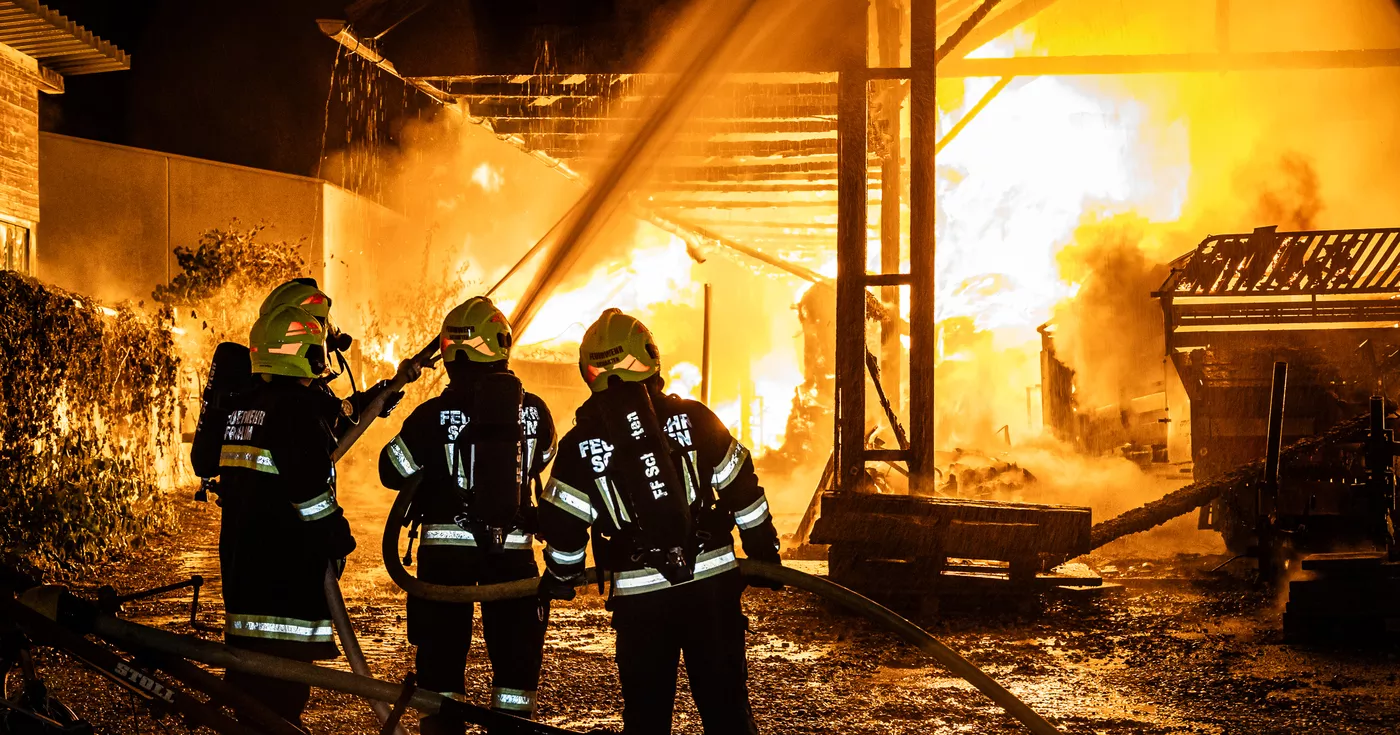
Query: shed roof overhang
60, 46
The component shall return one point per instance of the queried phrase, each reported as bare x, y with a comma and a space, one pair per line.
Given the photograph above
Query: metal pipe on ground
268, 722
217, 654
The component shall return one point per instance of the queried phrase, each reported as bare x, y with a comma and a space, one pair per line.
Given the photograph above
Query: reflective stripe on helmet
513, 700
565, 557
754, 515
647, 579
450, 534
477, 329
401, 458
728, 468
617, 344
277, 628
317, 508
570, 499
249, 458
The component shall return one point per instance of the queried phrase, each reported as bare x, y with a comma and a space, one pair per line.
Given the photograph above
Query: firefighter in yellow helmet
306, 294
281, 524
230, 374
662, 485
478, 451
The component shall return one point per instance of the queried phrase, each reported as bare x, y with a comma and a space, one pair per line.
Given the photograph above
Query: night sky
241, 82
246, 82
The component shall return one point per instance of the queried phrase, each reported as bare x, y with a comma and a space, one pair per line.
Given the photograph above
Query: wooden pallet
1349, 597
921, 552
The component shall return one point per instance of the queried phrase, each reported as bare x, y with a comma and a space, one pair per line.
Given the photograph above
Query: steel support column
851, 201
923, 334
891, 19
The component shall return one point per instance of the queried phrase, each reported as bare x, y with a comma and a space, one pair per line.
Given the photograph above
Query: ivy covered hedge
88, 441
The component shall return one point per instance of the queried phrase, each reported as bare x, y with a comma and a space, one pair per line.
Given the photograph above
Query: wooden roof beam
1032, 66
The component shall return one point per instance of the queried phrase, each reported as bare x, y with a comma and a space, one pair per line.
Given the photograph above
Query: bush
87, 424
224, 279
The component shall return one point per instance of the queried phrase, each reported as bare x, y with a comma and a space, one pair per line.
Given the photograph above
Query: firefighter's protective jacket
281, 524
428, 444
720, 483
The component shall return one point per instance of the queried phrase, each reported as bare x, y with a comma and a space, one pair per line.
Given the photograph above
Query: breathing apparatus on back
487, 454
230, 377
618, 358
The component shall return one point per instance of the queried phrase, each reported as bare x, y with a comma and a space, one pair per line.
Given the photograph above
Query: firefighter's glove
339, 542
411, 369
761, 544
391, 400
554, 588
767, 553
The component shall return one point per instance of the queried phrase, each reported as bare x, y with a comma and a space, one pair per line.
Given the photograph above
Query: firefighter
281, 524
478, 451
304, 292
662, 485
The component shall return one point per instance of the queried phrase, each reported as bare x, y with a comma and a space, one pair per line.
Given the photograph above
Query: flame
488, 177
1044, 157
658, 282
656, 271
382, 351
683, 379
1028, 170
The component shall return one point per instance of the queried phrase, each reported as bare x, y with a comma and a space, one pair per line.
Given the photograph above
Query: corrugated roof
1269, 262
58, 43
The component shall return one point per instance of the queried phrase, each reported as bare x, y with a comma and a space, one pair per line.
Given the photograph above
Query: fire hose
848, 599
407, 372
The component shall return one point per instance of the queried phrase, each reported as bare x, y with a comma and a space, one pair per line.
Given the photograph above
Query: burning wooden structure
783, 159
1324, 302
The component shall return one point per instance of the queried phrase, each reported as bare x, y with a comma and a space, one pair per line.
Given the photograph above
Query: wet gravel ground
1169, 647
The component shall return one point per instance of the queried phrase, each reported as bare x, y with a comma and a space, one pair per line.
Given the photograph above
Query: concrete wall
363, 243
113, 215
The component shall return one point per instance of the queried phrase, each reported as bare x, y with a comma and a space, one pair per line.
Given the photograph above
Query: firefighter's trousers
513, 629
701, 619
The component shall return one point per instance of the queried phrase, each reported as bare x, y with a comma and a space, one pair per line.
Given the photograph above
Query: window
14, 247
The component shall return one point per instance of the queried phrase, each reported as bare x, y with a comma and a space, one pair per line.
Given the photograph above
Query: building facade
38, 48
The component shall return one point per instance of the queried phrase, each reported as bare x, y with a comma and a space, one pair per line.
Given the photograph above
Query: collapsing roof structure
1271, 281
756, 169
